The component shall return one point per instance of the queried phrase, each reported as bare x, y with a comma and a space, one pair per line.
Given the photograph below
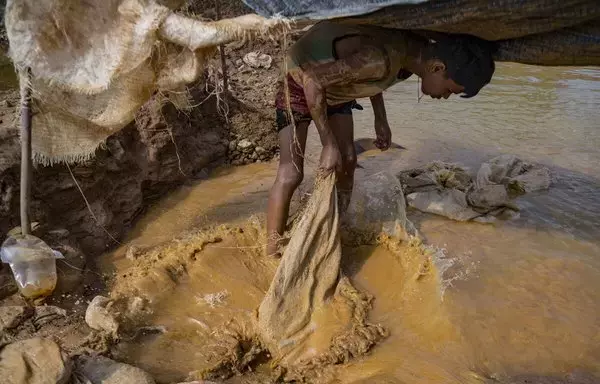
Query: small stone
254, 156
258, 60
260, 150
245, 144
12, 316
233, 145
98, 317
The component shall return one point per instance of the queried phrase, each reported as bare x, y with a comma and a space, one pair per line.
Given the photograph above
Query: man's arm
368, 63
378, 107
382, 127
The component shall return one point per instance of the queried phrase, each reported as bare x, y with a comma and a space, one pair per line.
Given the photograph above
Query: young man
330, 67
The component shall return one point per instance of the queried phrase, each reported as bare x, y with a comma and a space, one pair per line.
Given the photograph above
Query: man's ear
436, 66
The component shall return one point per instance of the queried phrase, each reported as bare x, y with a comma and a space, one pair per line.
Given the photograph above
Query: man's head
457, 64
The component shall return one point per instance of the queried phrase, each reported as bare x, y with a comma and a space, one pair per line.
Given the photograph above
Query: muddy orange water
521, 298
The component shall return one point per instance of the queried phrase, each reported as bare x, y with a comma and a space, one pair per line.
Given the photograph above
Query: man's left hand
384, 135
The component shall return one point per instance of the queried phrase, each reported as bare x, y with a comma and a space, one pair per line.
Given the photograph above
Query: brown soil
253, 90
163, 148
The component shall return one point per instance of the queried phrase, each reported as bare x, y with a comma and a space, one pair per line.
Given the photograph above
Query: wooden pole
26, 168
223, 57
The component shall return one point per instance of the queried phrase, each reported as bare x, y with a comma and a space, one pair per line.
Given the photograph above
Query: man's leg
289, 177
342, 126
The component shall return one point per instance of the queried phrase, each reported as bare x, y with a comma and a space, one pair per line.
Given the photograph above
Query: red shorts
299, 106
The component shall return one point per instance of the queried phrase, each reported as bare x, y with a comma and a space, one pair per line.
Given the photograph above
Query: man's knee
289, 177
349, 161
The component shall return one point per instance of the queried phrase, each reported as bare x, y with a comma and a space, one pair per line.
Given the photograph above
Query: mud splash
205, 289
197, 286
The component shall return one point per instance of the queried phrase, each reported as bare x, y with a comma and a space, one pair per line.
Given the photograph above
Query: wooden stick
26, 169
223, 57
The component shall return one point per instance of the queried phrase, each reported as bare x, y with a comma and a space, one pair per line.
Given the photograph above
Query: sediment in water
223, 335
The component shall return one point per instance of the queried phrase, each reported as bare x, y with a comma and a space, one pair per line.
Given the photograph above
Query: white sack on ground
448, 190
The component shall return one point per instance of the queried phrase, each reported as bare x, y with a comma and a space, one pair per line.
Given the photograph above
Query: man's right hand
331, 158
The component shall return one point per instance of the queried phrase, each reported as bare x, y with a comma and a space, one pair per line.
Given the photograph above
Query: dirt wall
163, 148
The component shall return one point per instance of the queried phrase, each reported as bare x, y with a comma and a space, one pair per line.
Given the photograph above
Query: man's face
437, 84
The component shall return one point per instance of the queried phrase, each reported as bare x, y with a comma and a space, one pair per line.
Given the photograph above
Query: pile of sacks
448, 190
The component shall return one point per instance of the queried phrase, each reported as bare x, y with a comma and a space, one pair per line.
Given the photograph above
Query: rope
89, 207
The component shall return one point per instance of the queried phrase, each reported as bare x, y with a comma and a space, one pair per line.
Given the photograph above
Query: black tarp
542, 32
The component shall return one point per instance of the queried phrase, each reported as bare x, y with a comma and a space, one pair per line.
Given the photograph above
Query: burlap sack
308, 279
95, 63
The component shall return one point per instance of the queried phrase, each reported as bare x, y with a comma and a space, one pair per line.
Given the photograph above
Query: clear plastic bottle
33, 264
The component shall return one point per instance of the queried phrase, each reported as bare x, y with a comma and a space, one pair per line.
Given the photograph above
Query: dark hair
468, 59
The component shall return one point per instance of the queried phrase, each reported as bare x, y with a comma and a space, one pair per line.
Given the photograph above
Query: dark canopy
542, 32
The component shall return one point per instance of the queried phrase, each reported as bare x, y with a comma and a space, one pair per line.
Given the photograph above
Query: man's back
328, 41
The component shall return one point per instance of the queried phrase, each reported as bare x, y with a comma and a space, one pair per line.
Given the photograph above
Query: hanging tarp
543, 32
321, 9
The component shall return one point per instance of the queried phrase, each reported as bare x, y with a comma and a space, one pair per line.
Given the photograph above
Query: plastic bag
33, 264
